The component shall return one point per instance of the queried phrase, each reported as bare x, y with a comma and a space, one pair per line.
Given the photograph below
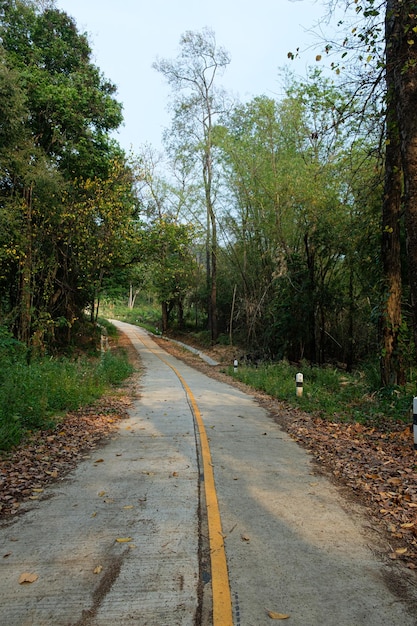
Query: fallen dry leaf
98, 569
124, 539
27, 577
274, 615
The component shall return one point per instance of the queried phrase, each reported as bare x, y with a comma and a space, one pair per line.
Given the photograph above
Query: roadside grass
35, 396
331, 393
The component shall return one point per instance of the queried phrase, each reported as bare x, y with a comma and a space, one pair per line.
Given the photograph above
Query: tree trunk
213, 292
180, 314
403, 18
392, 369
311, 314
351, 339
165, 315
25, 318
212, 239
133, 293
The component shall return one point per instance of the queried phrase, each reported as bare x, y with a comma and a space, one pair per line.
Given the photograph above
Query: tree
56, 155
369, 59
197, 103
297, 220
392, 366
394, 25
166, 237
167, 248
401, 46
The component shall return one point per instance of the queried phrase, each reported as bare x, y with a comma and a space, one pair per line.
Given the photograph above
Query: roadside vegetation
36, 394
329, 392
277, 224
332, 393
144, 313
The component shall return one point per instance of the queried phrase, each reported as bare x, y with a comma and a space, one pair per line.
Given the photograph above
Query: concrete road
137, 534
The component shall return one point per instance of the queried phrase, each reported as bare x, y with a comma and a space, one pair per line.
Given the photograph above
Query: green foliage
114, 368
34, 396
300, 178
332, 393
66, 202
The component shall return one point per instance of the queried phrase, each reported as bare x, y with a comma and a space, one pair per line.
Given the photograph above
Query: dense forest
287, 226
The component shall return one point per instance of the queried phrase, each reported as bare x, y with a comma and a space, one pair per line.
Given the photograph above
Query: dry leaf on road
274, 615
27, 577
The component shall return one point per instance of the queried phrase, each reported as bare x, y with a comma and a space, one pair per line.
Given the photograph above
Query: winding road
199, 511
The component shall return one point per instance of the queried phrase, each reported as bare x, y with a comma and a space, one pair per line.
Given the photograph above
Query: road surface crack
109, 577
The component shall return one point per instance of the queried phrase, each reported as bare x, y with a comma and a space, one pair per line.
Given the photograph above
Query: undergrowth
34, 395
331, 393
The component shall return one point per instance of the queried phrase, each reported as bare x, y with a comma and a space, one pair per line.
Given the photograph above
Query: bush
33, 396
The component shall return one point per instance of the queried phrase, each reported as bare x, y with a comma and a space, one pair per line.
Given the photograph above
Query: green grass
33, 396
330, 393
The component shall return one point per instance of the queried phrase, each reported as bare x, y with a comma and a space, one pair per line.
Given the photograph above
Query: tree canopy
66, 199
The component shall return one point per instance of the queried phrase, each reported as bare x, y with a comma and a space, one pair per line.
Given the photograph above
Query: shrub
33, 396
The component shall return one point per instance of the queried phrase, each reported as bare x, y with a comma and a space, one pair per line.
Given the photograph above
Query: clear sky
127, 36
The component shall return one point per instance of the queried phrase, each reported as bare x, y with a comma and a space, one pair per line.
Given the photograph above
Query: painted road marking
222, 601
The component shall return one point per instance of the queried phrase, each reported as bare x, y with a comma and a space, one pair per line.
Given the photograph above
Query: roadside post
235, 364
299, 379
415, 422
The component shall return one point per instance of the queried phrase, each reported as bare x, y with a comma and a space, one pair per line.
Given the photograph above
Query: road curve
199, 511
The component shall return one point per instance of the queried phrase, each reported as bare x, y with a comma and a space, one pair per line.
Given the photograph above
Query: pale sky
129, 35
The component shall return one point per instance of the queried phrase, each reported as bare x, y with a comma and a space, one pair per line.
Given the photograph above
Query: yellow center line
222, 602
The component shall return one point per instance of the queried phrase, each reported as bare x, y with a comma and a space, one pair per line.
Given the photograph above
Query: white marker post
299, 379
235, 364
415, 422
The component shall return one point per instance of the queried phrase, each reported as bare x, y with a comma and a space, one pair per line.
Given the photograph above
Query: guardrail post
299, 379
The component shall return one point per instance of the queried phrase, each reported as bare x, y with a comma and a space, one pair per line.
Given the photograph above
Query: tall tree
196, 105
392, 366
64, 109
401, 19
371, 45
